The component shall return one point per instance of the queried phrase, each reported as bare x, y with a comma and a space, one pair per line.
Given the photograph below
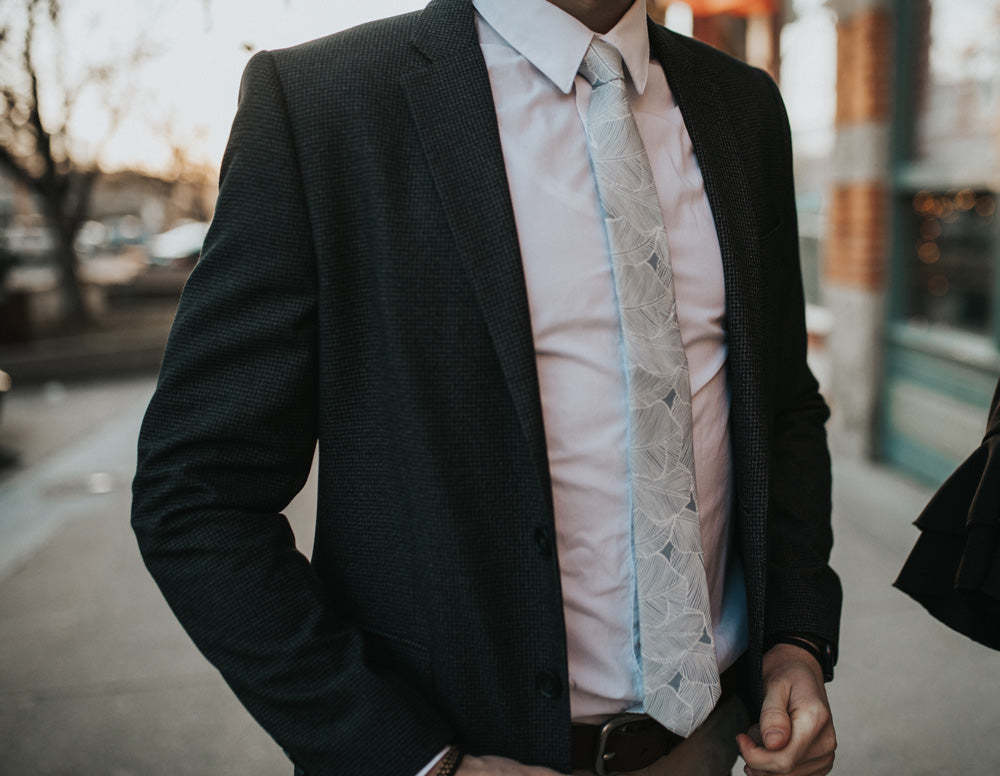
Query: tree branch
43, 140
18, 170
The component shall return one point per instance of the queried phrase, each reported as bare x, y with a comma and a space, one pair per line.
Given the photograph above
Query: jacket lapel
452, 105
718, 153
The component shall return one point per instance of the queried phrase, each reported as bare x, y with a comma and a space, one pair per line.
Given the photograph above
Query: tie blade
681, 703
680, 670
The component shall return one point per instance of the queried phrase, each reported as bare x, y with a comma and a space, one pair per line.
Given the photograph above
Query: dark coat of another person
954, 568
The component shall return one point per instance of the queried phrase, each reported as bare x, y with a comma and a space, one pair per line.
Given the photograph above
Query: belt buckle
603, 756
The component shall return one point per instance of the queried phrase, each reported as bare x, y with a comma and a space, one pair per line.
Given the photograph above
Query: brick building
913, 237
901, 234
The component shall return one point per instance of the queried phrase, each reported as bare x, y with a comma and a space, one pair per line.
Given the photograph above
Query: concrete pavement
911, 697
96, 676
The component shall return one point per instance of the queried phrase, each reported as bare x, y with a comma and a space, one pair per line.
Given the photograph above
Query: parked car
178, 246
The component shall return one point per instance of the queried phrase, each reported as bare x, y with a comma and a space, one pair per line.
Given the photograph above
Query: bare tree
37, 105
191, 181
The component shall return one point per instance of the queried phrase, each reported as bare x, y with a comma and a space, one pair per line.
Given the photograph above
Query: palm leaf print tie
679, 668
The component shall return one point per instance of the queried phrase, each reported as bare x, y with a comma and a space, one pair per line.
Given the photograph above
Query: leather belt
630, 742
626, 742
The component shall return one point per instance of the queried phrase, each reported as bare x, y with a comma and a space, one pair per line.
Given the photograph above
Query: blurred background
113, 120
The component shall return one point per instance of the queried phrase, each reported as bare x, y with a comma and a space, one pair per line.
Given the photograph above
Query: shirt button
543, 542
548, 684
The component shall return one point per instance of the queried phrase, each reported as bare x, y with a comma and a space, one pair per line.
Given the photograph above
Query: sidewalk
129, 339
96, 676
911, 697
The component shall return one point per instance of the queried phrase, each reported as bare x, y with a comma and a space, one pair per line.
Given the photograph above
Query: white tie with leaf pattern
679, 667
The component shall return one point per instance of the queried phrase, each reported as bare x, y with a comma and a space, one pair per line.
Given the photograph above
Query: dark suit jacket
361, 286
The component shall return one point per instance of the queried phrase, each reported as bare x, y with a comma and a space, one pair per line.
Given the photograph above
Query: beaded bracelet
450, 762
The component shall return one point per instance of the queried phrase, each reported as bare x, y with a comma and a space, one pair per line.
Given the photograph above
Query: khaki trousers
710, 751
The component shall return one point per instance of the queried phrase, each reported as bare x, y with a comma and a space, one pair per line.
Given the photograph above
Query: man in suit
408, 265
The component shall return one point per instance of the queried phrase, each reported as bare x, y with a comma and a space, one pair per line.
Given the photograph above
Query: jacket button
548, 684
543, 542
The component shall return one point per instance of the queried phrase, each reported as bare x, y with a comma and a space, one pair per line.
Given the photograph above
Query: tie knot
602, 63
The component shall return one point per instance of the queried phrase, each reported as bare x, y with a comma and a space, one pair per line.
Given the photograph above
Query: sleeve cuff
430, 766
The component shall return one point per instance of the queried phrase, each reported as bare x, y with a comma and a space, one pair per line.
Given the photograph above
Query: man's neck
599, 15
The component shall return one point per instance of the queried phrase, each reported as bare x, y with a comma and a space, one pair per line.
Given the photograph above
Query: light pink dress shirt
532, 51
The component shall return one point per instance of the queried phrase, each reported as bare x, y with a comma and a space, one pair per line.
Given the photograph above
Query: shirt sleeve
431, 765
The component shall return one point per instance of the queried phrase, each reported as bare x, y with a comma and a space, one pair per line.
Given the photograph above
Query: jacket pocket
770, 234
399, 655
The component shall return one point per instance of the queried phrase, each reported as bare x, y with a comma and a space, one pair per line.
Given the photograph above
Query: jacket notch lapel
452, 106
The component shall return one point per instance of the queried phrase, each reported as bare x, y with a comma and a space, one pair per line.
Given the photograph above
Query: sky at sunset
186, 89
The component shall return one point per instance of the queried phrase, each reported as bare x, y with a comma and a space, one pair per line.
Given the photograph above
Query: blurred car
29, 243
178, 246
92, 237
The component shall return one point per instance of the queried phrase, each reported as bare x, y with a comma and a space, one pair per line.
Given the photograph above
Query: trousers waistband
630, 742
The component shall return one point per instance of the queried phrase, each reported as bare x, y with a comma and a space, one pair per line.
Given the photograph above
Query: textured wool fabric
361, 288
680, 671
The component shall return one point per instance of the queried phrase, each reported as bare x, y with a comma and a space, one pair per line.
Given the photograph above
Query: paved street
96, 677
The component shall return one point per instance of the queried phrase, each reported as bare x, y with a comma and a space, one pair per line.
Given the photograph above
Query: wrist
820, 650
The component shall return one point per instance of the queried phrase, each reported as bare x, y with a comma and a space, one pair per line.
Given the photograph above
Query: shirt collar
555, 42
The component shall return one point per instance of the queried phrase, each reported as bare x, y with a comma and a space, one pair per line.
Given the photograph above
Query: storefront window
951, 261
958, 81
951, 230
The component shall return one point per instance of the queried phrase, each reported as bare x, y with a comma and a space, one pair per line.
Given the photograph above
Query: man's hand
795, 736
499, 766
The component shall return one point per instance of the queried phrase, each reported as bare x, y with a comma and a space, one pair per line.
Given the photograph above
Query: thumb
775, 724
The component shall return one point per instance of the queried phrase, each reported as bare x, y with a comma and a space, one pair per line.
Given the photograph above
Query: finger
775, 724
499, 766
748, 743
825, 743
820, 764
784, 760
773, 732
819, 771
817, 756
814, 768
812, 736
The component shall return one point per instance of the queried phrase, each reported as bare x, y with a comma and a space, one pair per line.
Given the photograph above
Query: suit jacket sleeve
803, 593
228, 441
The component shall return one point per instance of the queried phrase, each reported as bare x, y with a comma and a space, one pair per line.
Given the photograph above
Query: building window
951, 260
957, 88
948, 231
